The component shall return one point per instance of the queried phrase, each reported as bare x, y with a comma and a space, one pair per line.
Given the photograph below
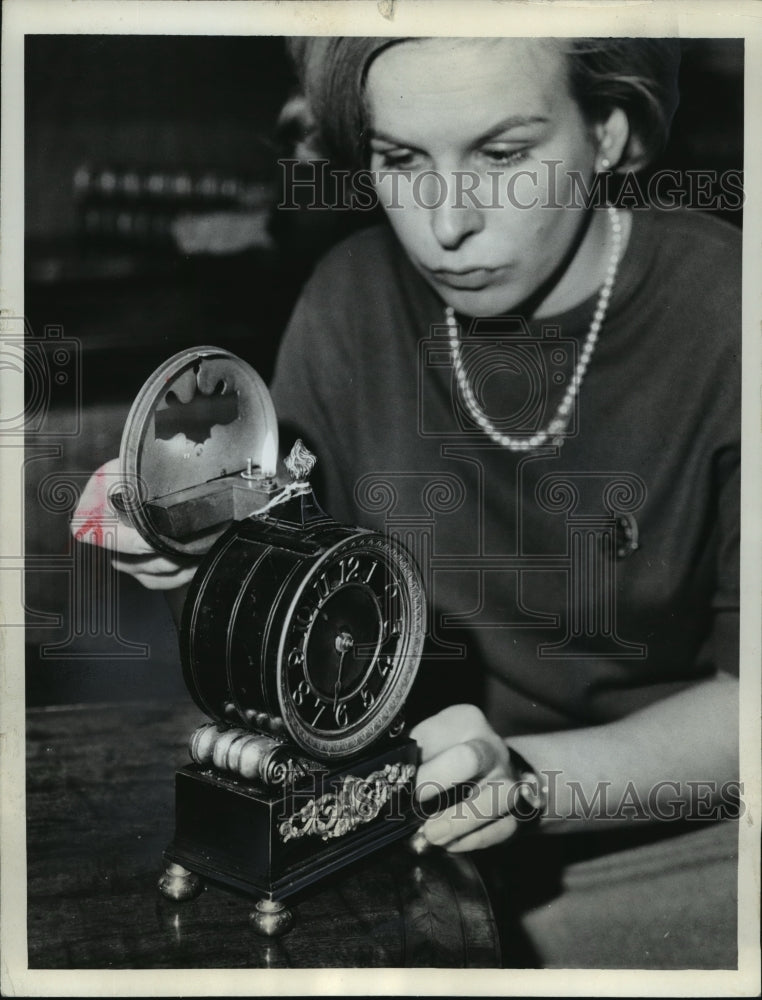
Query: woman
584, 572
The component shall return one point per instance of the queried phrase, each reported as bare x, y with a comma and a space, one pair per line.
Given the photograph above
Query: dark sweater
534, 614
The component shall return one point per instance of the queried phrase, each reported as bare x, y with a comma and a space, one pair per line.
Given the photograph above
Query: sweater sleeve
713, 313
724, 637
725, 605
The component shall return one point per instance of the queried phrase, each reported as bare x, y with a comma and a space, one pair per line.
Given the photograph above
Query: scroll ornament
354, 802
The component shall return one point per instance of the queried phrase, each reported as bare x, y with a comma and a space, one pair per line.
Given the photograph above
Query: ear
612, 136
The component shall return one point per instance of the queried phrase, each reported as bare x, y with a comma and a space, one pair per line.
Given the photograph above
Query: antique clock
300, 639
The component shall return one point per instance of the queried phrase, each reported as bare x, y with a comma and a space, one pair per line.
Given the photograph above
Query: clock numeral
390, 628
385, 664
367, 697
300, 692
321, 709
295, 658
350, 568
341, 714
390, 601
323, 586
371, 571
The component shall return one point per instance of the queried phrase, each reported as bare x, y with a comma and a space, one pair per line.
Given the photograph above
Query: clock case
255, 810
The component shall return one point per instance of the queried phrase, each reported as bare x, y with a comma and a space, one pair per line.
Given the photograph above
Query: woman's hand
458, 745
97, 522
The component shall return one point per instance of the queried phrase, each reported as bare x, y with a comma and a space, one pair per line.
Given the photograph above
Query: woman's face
494, 119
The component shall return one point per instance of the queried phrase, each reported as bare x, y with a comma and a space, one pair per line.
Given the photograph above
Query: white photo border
697, 19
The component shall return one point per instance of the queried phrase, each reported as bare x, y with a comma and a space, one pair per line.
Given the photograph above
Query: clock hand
337, 686
344, 642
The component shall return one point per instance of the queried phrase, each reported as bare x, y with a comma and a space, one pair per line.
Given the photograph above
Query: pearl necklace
560, 420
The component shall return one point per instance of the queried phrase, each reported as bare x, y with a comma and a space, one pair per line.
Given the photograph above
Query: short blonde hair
638, 75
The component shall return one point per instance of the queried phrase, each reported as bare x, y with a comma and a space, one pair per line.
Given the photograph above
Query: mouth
469, 279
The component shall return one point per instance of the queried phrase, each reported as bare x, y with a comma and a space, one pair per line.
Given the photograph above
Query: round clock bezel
371, 726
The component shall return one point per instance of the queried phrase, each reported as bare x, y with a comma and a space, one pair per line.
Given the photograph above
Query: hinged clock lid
199, 449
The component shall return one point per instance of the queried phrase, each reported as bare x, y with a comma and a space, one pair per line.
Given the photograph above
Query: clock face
350, 646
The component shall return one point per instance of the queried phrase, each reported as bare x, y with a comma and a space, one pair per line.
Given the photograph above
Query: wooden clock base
271, 842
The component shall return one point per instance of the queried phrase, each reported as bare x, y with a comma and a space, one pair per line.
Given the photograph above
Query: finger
494, 833
490, 800
102, 527
454, 724
152, 564
93, 508
453, 766
166, 582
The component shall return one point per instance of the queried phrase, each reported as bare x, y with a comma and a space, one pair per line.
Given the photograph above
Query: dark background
200, 117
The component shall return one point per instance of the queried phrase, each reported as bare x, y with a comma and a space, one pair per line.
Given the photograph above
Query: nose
455, 219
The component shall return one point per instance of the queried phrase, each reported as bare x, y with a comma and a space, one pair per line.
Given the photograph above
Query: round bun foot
179, 884
271, 918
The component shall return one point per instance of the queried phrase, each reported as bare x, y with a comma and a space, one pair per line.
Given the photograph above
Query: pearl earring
605, 163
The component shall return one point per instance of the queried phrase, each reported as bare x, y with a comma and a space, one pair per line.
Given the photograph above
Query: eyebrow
514, 121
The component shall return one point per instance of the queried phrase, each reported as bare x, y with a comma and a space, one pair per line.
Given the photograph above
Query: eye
395, 158
504, 156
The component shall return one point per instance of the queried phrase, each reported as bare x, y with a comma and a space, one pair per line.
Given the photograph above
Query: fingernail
419, 843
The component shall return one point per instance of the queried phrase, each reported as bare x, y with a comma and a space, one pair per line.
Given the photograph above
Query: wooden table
100, 794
